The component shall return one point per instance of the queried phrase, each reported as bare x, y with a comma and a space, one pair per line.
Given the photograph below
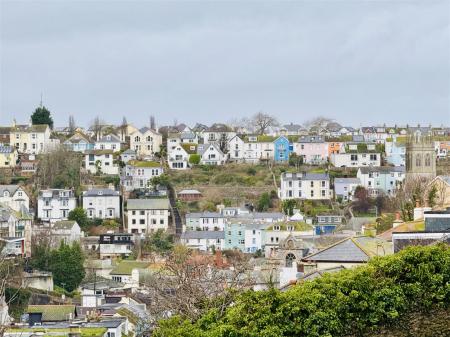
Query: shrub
194, 159
351, 302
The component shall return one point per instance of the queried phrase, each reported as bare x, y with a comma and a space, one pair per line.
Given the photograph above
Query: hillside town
109, 228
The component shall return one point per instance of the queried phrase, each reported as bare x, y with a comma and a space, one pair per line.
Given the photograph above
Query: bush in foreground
352, 302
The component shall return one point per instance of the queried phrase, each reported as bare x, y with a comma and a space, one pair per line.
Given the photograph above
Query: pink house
313, 149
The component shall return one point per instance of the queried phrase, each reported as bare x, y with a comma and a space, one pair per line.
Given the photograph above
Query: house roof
347, 181
30, 128
129, 151
410, 226
311, 139
126, 267
64, 224
53, 313
95, 192
212, 235
10, 188
110, 138
219, 127
382, 169
204, 215
143, 204
189, 192
346, 250
99, 152
6, 149
141, 163
187, 147
292, 127
304, 176
319, 273
202, 148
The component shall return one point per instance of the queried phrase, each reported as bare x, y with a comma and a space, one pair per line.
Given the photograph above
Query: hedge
351, 302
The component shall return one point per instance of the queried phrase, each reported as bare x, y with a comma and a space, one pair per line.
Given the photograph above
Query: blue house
282, 149
235, 236
395, 153
79, 143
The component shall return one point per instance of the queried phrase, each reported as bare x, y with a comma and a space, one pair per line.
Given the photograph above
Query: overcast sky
359, 62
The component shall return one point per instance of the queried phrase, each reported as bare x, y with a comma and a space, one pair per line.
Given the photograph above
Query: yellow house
8, 156
442, 188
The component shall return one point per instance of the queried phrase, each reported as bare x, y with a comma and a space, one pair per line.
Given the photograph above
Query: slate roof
311, 139
202, 148
53, 313
347, 181
6, 149
204, 215
304, 176
292, 127
111, 138
28, 128
382, 169
346, 250
143, 204
95, 192
64, 224
10, 188
358, 138
129, 151
212, 235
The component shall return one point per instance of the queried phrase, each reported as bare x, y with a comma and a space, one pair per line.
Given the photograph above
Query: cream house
15, 197
32, 139
8, 156
145, 141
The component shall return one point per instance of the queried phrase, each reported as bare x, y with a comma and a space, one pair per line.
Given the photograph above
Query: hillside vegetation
365, 301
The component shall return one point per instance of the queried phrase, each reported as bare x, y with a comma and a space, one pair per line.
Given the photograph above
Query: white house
381, 180
67, 231
211, 154
204, 241
138, 174
102, 203
145, 142
108, 142
127, 272
32, 139
251, 149
55, 204
128, 155
344, 188
100, 161
205, 221
15, 231
218, 133
147, 215
355, 159
315, 186
254, 237
14, 196
178, 156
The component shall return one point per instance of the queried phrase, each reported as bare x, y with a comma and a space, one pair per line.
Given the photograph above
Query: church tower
420, 157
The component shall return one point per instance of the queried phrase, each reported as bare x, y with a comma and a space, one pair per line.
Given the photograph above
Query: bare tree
317, 123
59, 168
190, 284
262, 121
96, 127
10, 277
123, 129
72, 125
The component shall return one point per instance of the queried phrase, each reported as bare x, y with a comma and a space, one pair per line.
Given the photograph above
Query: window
312, 193
137, 139
289, 260
427, 159
418, 160
323, 183
142, 221
133, 221
161, 221
323, 193
373, 157
276, 228
142, 212
312, 183
353, 157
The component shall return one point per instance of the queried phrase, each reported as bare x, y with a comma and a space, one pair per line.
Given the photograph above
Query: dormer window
100, 192
276, 228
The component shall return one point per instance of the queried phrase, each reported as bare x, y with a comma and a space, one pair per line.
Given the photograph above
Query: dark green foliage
79, 215
295, 160
432, 194
264, 202
66, 264
362, 202
407, 211
288, 206
161, 180
159, 242
17, 300
42, 116
349, 303
251, 171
